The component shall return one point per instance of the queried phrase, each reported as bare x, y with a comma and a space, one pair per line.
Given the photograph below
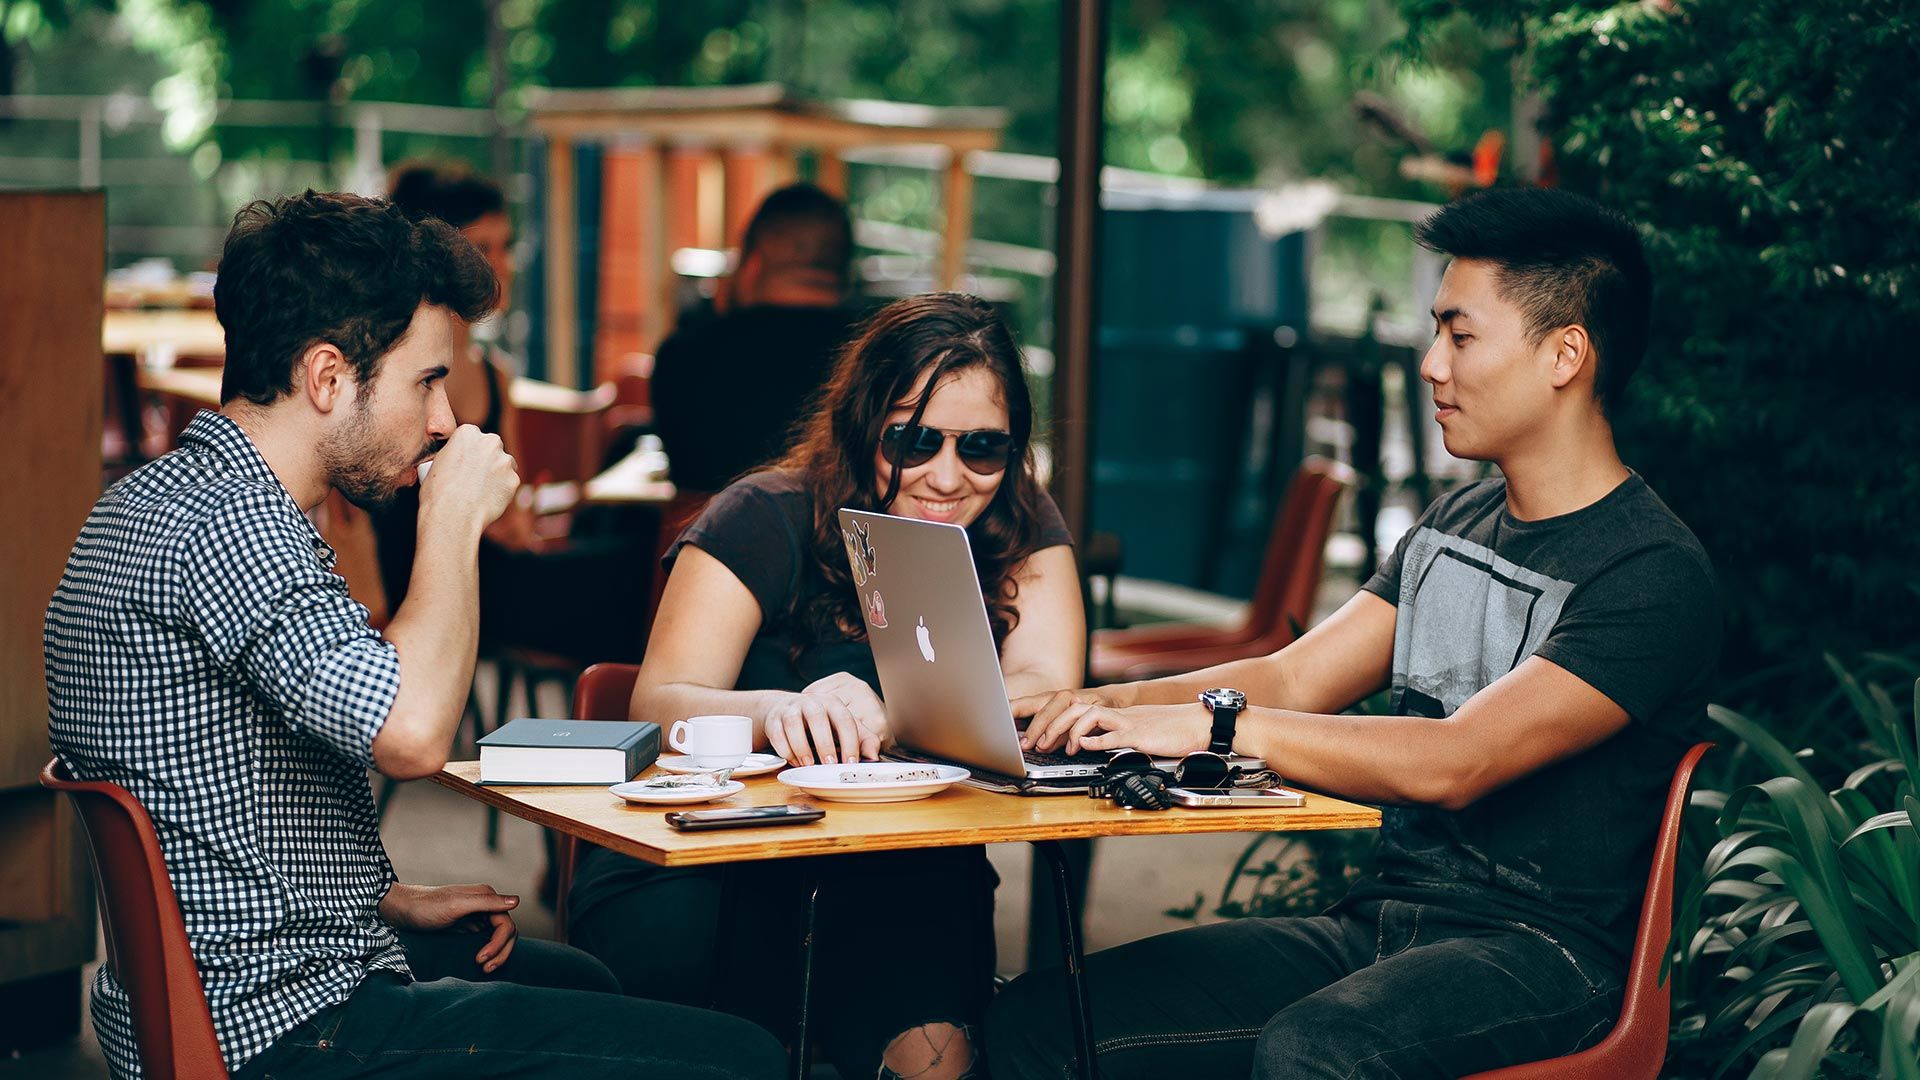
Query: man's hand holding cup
471, 480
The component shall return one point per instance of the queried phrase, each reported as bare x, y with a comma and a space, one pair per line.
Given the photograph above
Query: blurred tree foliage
1768, 148
1235, 91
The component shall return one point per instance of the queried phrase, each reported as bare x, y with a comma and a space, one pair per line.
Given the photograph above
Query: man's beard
352, 460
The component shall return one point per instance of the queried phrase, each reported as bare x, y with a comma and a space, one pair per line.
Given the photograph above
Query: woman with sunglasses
927, 416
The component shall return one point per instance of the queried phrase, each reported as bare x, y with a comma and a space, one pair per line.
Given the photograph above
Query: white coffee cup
713, 742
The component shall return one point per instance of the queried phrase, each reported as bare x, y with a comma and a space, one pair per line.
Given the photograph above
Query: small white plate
755, 765
874, 781
637, 791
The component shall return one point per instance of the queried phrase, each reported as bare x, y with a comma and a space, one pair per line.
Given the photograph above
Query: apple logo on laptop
926, 639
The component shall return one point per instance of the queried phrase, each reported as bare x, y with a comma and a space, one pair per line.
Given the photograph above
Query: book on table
568, 751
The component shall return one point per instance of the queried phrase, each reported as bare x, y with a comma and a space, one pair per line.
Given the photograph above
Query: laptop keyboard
1056, 757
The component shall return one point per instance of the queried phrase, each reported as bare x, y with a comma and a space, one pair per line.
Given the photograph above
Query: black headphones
1130, 779
1145, 790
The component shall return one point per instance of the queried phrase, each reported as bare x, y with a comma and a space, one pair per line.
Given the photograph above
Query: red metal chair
1282, 600
603, 692
1637, 1046
146, 939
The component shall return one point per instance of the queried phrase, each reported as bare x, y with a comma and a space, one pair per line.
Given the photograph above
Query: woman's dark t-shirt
759, 528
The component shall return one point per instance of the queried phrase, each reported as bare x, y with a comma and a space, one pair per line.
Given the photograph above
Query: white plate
874, 781
637, 791
755, 765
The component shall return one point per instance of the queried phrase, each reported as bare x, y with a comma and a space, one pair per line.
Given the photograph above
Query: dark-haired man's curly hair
336, 268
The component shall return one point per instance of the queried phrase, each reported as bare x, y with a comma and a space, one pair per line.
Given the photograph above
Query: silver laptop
934, 649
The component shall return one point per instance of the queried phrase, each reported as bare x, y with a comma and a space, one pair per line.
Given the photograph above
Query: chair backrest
1637, 1046
146, 938
604, 691
559, 433
1297, 549
674, 519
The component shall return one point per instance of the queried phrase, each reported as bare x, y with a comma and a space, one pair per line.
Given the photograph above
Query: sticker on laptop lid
877, 610
860, 553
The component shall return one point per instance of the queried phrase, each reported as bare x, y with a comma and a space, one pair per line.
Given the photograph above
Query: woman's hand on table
1082, 720
838, 718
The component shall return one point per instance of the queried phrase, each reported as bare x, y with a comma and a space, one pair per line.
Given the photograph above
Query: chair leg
802, 1049
502, 704
1043, 936
476, 719
568, 857
387, 786
1063, 870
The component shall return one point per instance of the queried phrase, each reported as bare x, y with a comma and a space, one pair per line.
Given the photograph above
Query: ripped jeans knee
935, 1050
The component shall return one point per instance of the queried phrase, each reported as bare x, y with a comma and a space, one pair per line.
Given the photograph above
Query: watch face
1224, 696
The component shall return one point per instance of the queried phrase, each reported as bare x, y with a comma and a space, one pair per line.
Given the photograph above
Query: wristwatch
1227, 705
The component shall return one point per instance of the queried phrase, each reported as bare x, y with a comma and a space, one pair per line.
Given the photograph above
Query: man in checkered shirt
202, 654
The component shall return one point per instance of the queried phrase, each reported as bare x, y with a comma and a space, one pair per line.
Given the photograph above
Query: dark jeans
550, 1011
902, 939
1371, 989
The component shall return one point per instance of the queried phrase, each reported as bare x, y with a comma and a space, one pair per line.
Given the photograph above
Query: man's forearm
436, 632
1262, 678
1397, 760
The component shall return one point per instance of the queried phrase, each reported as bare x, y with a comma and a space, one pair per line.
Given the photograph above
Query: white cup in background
713, 742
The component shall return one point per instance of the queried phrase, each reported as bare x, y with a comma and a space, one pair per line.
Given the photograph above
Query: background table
959, 816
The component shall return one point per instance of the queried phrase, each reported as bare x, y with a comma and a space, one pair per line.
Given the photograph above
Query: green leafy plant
1800, 939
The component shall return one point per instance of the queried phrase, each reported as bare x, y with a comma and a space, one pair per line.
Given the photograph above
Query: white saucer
874, 781
636, 791
755, 765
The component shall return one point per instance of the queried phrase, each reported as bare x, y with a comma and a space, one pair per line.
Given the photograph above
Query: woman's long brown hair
941, 333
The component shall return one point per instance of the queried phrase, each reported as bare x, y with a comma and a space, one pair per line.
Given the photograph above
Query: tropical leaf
1802, 1058
1771, 751
1811, 871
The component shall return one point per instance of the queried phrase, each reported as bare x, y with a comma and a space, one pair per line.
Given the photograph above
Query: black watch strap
1225, 719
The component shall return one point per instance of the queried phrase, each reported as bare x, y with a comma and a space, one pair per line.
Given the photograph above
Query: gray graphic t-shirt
1621, 595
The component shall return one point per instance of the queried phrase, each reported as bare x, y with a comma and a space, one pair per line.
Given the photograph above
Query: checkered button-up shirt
202, 654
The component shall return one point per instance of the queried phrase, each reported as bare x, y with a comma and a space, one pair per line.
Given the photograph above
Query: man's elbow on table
404, 752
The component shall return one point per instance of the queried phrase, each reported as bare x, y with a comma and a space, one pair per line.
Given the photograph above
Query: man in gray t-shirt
1547, 637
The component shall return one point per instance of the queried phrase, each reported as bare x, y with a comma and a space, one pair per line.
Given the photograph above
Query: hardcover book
568, 751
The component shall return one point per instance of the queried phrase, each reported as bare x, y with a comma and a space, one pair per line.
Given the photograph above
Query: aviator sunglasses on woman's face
912, 445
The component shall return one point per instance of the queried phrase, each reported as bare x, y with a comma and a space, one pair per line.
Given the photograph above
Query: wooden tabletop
198, 385
959, 815
194, 332
633, 479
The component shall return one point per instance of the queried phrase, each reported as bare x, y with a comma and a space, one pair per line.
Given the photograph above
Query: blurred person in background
480, 379
765, 354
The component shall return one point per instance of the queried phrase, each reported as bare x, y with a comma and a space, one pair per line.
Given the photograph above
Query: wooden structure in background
685, 167
50, 393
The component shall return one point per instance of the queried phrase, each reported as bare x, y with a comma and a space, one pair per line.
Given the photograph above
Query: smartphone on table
742, 817
1237, 797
